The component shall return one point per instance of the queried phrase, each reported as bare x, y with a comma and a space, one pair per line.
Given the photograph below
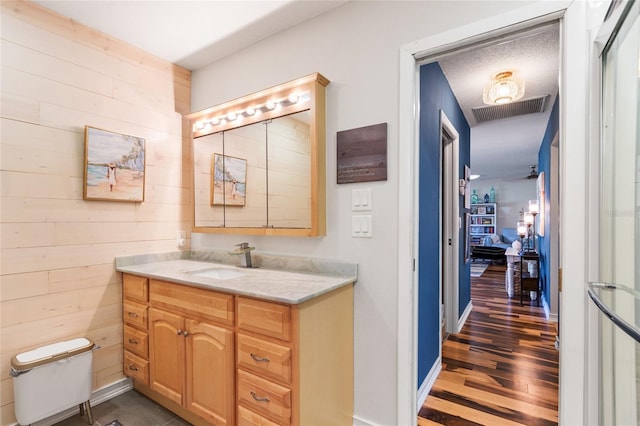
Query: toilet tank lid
50, 353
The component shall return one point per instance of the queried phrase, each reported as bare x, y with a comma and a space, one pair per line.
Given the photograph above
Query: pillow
509, 235
495, 238
487, 241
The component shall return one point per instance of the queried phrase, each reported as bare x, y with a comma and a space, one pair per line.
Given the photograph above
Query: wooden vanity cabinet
222, 359
135, 292
191, 357
287, 354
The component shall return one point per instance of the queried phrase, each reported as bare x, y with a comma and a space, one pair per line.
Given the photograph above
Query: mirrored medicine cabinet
259, 162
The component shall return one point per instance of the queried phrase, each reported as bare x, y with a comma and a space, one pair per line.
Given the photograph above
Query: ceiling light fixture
503, 88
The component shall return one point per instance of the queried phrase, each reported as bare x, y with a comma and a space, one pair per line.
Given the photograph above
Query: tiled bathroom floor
130, 409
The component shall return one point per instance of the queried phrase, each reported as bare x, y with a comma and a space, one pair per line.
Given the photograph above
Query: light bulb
293, 98
250, 110
199, 125
270, 104
528, 218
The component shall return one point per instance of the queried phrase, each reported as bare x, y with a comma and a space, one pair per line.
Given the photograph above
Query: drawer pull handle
259, 398
259, 358
133, 367
133, 314
133, 341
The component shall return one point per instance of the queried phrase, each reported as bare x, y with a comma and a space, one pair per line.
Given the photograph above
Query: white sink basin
217, 273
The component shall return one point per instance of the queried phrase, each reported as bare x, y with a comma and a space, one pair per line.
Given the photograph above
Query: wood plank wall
57, 274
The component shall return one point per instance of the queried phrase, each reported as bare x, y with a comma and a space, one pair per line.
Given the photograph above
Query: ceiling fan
533, 172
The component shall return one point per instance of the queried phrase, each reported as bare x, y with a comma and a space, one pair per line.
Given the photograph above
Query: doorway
449, 218
449, 278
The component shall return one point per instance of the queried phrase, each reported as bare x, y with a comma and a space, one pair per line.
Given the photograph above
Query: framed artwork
541, 195
114, 166
482, 210
362, 154
467, 237
229, 181
466, 190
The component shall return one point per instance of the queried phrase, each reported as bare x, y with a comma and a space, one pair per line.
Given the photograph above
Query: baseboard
357, 421
464, 316
547, 311
427, 383
97, 397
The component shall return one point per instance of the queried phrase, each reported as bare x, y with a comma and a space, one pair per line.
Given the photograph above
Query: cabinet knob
259, 398
179, 332
133, 341
259, 358
186, 333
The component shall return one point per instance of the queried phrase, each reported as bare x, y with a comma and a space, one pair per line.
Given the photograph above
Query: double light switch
361, 225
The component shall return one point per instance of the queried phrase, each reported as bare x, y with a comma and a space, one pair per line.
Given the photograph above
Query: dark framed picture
114, 166
467, 238
229, 180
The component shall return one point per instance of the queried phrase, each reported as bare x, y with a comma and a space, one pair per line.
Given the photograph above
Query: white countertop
275, 285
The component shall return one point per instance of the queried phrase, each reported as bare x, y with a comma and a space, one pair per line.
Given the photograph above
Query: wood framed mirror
259, 162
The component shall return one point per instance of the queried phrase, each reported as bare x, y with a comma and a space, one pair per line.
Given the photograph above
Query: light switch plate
361, 200
362, 226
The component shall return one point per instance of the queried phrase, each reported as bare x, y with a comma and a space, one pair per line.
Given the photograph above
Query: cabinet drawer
249, 418
201, 303
136, 367
265, 358
135, 288
135, 314
136, 341
264, 397
265, 318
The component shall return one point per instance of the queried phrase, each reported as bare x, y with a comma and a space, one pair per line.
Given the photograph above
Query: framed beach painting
114, 166
229, 180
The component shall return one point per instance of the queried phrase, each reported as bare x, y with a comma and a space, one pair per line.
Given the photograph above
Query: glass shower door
617, 293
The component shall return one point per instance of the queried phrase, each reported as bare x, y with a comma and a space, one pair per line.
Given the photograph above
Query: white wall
356, 46
511, 197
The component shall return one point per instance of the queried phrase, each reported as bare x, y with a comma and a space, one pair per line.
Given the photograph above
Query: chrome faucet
243, 248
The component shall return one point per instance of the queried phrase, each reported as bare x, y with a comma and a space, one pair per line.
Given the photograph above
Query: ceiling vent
496, 112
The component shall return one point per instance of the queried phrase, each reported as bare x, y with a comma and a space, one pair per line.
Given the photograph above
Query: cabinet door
210, 372
166, 355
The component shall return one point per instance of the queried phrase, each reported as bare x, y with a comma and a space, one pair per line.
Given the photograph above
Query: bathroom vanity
225, 345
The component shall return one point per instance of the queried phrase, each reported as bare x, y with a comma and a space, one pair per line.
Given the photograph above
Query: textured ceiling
533, 56
505, 148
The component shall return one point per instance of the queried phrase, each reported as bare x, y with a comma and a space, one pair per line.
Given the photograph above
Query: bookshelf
483, 222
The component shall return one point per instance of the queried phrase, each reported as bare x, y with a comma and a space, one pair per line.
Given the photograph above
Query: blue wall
436, 95
544, 165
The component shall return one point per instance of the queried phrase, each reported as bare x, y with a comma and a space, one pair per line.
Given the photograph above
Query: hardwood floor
502, 368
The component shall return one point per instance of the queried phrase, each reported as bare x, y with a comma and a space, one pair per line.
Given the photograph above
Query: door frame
450, 264
577, 19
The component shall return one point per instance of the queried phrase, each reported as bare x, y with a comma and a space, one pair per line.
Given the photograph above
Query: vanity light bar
292, 99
